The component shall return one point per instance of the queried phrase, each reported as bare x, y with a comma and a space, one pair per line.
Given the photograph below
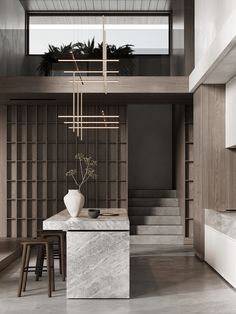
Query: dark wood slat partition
40, 149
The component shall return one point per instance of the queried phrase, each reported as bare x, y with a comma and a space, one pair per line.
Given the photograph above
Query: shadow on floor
164, 273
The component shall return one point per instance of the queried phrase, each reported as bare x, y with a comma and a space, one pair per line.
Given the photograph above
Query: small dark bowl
93, 213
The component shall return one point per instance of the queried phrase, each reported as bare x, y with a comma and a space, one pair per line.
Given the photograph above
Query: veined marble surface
224, 222
98, 264
63, 221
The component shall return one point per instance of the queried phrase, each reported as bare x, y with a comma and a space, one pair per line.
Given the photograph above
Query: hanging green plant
84, 50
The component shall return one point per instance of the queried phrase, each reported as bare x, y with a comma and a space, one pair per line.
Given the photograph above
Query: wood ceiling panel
97, 5
145, 5
100, 5
121, 5
137, 5
152, 5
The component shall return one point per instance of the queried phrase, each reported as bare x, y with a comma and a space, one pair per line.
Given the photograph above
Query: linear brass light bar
78, 116
77, 124
95, 127
98, 81
92, 122
88, 60
90, 71
73, 109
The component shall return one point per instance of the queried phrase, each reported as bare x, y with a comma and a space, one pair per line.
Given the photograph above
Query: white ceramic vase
74, 201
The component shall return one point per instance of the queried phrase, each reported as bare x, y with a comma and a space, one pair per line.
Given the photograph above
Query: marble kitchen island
97, 253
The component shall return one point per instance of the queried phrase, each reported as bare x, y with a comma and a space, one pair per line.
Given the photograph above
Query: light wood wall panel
40, 149
127, 84
214, 165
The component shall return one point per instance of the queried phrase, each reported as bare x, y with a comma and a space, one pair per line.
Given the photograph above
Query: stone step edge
151, 207
157, 239
153, 197
154, 215
130, 189
164, 225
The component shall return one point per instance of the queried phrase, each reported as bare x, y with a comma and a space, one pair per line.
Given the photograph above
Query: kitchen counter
63, 221
220, 243
222, 221
97, 253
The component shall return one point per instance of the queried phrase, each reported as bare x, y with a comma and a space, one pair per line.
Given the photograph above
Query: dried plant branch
87, 169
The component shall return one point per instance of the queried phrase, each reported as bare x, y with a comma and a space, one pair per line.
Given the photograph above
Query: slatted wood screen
189, 172
40, 149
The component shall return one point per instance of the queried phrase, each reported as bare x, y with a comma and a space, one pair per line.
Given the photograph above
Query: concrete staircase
155, 217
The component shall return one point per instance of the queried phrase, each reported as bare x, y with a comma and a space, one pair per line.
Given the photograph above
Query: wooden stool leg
22, 271
62, 257
64, 247
39, 262
26, 265
42, 257
49, 270
52, 269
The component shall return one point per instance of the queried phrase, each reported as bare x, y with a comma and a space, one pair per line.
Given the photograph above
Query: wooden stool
60, 253
47, 244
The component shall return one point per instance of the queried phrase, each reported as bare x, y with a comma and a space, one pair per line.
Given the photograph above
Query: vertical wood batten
45, 203
35, 191
14, 208
3, 170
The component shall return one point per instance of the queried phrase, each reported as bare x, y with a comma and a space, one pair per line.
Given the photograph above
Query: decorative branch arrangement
87, 168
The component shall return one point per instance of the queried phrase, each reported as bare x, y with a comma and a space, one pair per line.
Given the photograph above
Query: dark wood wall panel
12, 38
40, 149
189, 36
180, 158
214, 165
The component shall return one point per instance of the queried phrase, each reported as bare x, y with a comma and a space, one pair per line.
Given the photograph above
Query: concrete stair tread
155, 220
156, 198
151, 190
155, 207
162, 225
157, 239
153, 211
151, 193
156, 229
153, 202
155, 217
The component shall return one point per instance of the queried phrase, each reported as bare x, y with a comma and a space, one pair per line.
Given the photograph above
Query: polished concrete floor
163, 280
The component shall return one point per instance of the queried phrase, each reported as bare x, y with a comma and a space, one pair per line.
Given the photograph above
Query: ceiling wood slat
100, 5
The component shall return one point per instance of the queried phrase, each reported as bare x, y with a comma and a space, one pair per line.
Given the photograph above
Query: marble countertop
63, 221
222, 221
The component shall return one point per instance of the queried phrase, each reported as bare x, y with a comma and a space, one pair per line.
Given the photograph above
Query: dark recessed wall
150, 146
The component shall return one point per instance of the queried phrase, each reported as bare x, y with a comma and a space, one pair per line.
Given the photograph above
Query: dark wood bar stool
47, 245
59, 250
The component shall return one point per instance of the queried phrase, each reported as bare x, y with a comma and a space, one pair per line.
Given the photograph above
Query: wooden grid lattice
40, 149
189, 172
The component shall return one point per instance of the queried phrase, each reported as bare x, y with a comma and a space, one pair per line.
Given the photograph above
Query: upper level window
149, 34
